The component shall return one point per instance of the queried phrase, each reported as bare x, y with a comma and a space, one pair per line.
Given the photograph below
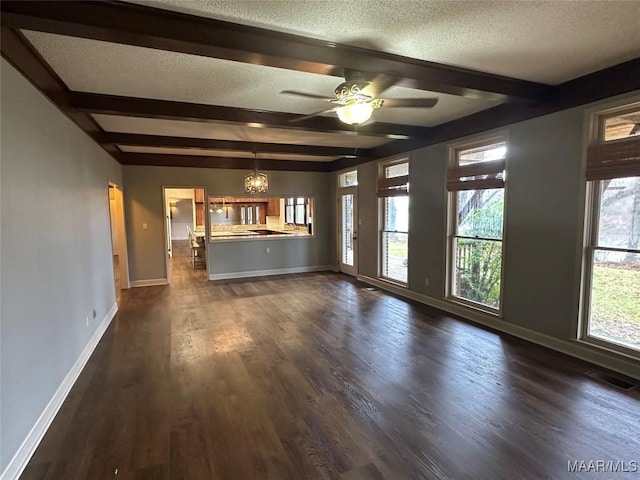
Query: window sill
475, 307
395, 283
609, 347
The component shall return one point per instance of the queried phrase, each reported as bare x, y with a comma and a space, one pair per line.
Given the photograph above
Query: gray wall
143, 204
56, 252
543, 225
182, 218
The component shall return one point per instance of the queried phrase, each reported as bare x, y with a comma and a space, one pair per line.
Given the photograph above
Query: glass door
348, 232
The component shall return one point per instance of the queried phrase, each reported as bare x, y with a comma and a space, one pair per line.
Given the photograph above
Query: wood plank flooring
316, 376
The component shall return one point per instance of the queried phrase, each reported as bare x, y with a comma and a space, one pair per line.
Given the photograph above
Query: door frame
341, 191
167, 223
121, 233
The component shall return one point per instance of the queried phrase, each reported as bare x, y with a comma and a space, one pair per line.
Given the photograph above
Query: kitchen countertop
249, 235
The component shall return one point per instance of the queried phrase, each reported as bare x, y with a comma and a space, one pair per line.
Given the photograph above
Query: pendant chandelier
256, 182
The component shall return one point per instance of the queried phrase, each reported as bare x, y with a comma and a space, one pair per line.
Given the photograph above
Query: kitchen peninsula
256, 218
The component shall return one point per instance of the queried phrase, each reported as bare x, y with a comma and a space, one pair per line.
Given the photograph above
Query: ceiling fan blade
300, 119
307, 95
380, 83
409, 102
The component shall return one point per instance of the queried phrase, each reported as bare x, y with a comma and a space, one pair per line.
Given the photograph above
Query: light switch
145, 226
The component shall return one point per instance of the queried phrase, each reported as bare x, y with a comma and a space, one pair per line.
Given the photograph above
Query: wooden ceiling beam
164, 30
616, 80
199, 161
196, 112
138, 140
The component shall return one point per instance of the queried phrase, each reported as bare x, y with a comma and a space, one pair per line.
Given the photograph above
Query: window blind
476, 176
394, 186
614, 160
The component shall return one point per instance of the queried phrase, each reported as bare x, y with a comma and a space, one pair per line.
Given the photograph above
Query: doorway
118, 240
348, 222
185, 231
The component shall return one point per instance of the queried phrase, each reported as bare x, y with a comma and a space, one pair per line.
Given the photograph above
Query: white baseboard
149, 283
574, 348
263, 273
19, 461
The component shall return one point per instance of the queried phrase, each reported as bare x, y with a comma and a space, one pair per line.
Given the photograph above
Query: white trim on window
594, 129
453, 235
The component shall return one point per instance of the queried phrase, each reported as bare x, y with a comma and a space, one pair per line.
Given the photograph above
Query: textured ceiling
546, 42
542, 41
102, 67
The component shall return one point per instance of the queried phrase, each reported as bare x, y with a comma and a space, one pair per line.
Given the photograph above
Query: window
249, 214
300, 217
289, 211
349, 179
475, 181
393, 188
297, 211
612, 257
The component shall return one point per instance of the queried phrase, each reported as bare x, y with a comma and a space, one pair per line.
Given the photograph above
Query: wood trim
195, 112
165, 30
19, 52
198, 161
231, 145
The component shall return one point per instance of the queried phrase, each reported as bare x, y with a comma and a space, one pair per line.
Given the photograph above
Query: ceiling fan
357, 98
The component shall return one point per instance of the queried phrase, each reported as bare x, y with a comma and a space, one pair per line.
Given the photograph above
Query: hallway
316, 376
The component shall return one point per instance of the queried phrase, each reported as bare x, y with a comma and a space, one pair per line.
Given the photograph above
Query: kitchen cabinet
273, 207
198, 202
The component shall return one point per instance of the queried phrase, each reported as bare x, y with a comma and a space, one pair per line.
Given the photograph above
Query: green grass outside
616, 293
615, 305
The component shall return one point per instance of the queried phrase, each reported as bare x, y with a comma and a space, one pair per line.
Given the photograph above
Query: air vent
612, 380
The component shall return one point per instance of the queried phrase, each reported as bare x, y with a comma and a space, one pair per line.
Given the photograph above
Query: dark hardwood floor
317, 376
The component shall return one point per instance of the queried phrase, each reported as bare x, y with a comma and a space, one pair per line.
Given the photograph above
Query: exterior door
348, 248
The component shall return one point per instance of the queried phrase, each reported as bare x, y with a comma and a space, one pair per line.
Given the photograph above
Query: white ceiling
543, 41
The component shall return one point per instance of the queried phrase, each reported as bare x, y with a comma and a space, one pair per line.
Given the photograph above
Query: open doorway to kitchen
185, 233
118, 240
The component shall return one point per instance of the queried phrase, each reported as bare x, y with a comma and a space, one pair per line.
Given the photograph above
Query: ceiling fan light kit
355, 113
356, 98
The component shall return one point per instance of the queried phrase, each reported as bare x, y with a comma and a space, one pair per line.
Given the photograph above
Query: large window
393, 188
612, 296
475, 181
